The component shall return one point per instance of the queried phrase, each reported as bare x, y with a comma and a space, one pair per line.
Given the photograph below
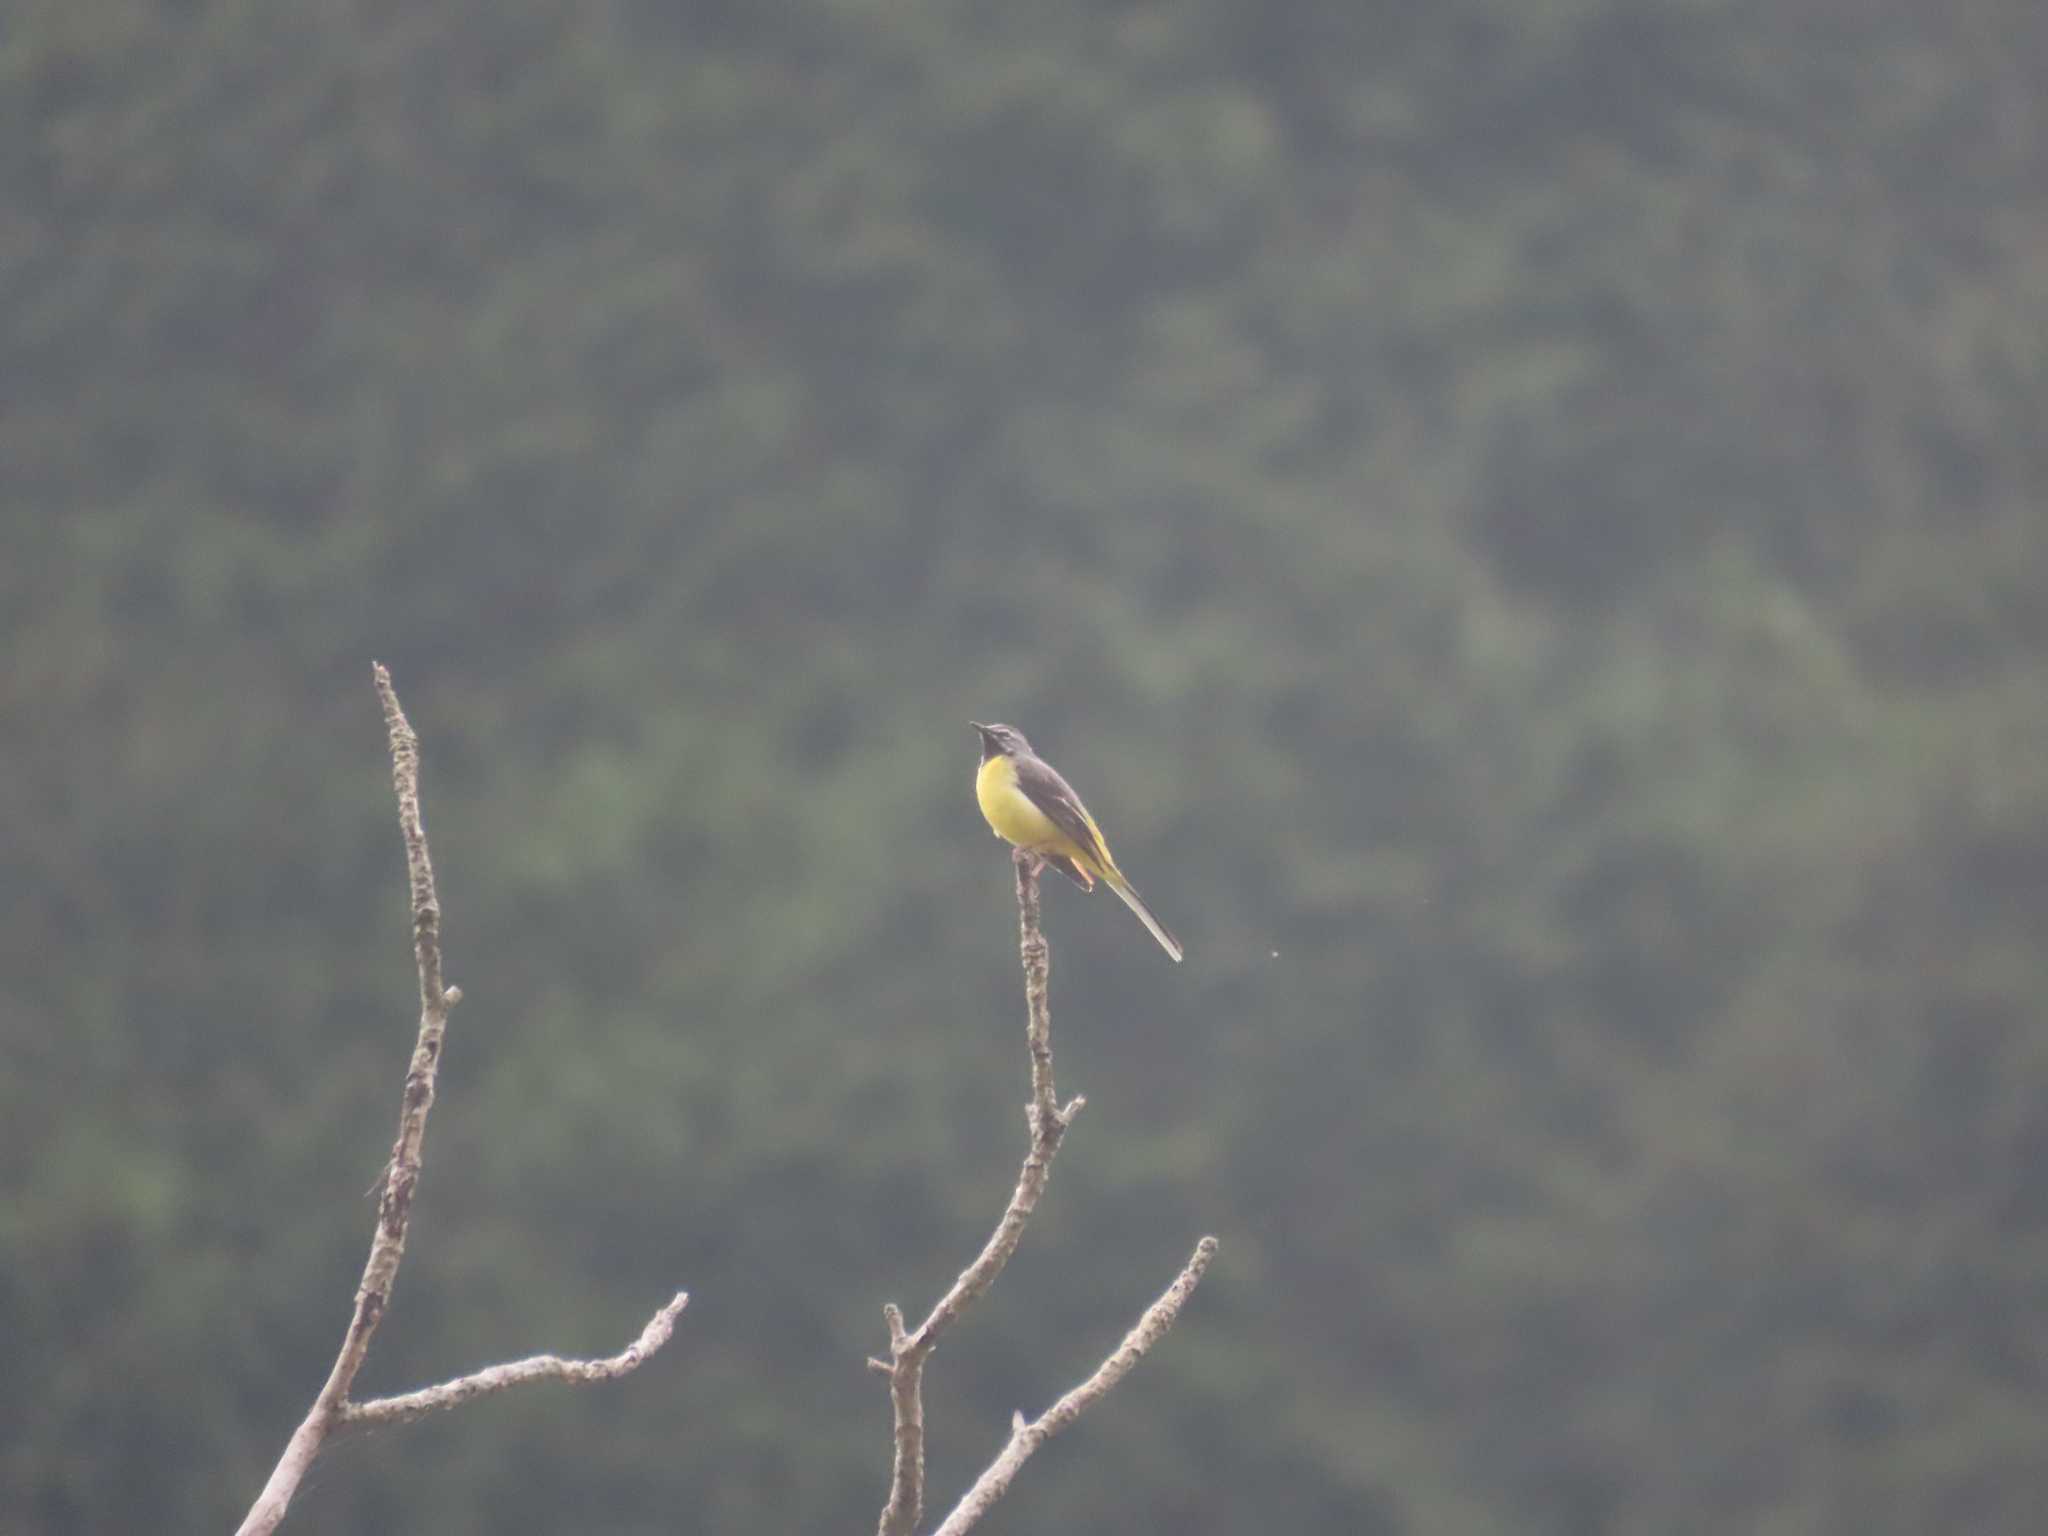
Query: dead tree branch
1028, 1437
332, 1408
407, 1406
910, 1349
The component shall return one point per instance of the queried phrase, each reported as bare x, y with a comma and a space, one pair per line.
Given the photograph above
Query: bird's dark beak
989, 746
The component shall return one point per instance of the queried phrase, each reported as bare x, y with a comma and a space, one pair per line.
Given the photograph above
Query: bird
1028, 804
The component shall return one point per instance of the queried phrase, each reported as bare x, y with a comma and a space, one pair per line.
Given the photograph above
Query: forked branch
909, 1349
332, 1409
1028, 1437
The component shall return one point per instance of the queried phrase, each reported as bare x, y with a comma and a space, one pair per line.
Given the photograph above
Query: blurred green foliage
1524, 517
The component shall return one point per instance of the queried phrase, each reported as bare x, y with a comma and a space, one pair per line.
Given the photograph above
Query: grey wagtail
1027, 802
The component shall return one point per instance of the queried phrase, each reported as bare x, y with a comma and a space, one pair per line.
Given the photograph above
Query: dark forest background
1527, 519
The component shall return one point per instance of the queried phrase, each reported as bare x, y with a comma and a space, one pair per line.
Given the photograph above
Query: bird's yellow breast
1011, 813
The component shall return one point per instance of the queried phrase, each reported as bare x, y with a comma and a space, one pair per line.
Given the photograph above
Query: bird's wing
1044, 788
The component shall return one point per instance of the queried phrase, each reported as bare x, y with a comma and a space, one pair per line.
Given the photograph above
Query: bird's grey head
1001, 741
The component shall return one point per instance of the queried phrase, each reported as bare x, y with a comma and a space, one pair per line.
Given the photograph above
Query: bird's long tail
1130, 897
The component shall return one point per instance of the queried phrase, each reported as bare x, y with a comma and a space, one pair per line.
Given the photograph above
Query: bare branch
408, 1406
332, 1407
1028, 1437
401, 1174
1048, 1121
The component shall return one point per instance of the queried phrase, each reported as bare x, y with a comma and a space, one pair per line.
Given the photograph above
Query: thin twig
1028, 1437
909, 1349
406, 1407
332, 1407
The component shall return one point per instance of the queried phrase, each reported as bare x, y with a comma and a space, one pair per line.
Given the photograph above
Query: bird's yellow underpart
1013, 817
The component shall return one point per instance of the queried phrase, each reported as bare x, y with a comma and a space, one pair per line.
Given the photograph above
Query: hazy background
1525, 518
